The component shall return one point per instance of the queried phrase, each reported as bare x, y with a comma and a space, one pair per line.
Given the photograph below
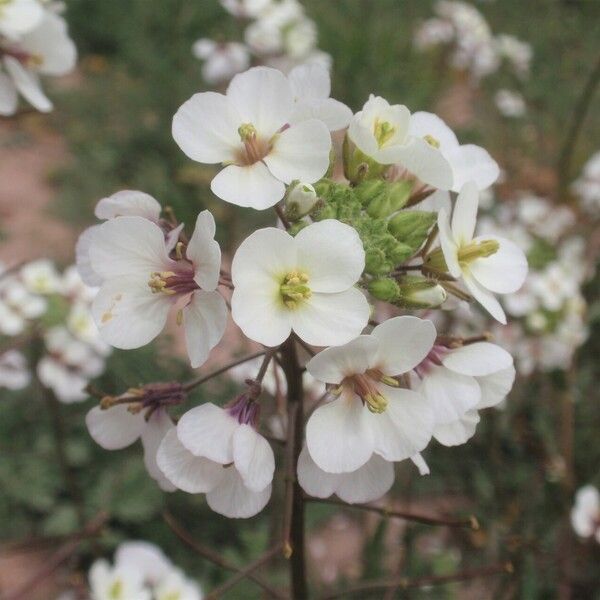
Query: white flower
116, 583
587, 186
303, 284
176, 586
248, 130
460, 381
585, 514
369, 413
116, 427
45, 50
467, 162
517, 52
311, 86
300, 38
245, 8
486, 264
221, 60
17, 305
141, 283
41, 277
18, 17
145, 559
219, 452
509, 103
125, 203
14, 374
432, 32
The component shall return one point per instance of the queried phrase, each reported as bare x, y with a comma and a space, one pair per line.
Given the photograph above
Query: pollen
158, 282
474, 250
294, 289
432, 141
383, 132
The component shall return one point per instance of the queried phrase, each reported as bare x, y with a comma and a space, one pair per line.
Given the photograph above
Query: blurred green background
136, 68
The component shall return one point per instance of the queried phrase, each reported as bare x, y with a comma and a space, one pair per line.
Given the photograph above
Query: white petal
8, 96
426, 162
300, 152
310, 81
472, 163
207, 430
128, 314
266, 255
495, 387
332, 365
403, 343
206, 128
253, 458
129, 246
28, 84
504, 271
143, 558
115, 427
204, 322
153, 434
263, 97
331, 254
315, 481
449, 247
451, 394
20, 16
331, 319
334, 114
128, 203
457, 432
420, 463
192, 474
261, 315
52, 44
231, 498
405, 427
481, 358
485, 298
425, 123
338, 435
252, 186
370, 482
82, 256
204, 251
465, 214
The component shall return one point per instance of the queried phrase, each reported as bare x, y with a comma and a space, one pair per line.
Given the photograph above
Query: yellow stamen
294, 289
432, 141
383, 132
470, 252
158, 283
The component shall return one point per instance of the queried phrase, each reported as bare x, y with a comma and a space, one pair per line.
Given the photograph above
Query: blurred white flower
17, 305
587, 186
41, 277
14, 372
510, 103
245, 8
516, 52
248, 130
303, 284
221, 60
18, 17
116, 583
585, 514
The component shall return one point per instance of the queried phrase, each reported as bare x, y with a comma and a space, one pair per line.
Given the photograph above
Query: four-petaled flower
248, 130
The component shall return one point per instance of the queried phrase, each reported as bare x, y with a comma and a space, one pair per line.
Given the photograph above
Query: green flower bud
300, 200
376, 262
297, 226
386, 289
399, 253
391, 198
411, 227
357, 165
419, 292
368, 190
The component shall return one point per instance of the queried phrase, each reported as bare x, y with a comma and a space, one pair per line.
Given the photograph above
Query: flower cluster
463, 30
363, 230
140, 571
38, 301
278, 34
34, 42
587, 186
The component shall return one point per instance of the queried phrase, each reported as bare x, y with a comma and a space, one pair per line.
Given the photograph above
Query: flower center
294, 289
169, 282
432, 141
383, 132
115, 592
254, 149
365, 386
470, 252
434, 358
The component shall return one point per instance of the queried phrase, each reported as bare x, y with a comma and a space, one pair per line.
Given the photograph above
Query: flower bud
390, 199
419, 292
300, 200
376, 262
411, 227
357, 165
386, 289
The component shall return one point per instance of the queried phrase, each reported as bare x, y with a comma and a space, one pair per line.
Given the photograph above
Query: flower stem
293, 523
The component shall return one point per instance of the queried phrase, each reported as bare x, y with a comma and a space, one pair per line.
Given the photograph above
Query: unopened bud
419, 292
357, 165
300, 200
390, 199
412, 226
376, 262
386, 289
